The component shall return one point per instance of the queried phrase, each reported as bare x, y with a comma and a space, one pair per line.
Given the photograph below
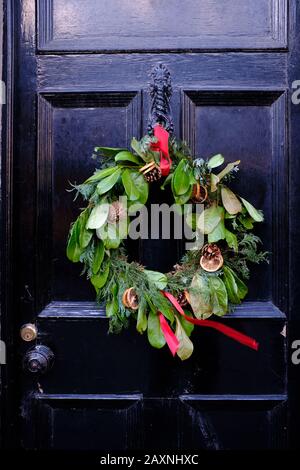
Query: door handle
38, 360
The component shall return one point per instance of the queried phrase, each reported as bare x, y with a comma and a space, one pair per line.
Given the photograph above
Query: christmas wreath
209, 279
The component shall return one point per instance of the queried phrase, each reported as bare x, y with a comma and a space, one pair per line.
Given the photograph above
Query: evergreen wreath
208, 281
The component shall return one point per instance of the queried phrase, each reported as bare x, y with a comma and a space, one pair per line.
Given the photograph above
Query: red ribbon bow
173, 342
162, 146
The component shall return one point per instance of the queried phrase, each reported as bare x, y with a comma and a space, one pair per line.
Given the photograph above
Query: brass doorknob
28, 332
38, 359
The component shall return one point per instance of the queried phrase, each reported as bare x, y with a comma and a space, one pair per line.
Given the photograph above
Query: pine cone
153, 175
211, 259
183, 298
116, 212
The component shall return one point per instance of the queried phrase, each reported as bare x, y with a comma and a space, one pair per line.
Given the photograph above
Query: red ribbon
226, 330
162, 146
169, 335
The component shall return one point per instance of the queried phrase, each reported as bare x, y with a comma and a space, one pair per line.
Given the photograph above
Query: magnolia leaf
242, 288
228, 168
218, 233
100, 174
186, 346
209, 219
231, 240
214, 180
254, 213
181, 178
180, 200
137, 148
155, 335
98, 256
126, 156
219, 297
186, 325
136, 187
230, 201
215, 161
98, 216
231, 286
158, 279
112, 306
73, 247
200, 297
142, 321
85, 234
107, 183
99, 280
108, 151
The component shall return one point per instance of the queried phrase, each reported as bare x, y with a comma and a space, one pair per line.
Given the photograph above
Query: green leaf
126, 156
228, 168
231, 240
242, 288
73, 247
200, 297
219, 297
98, 256
254, 213
155, 335
108, 151
186, 346
210, 218
112, 306
167, 181
218, 233
157, 278
230, 201
247, 222
215, 161
186, 325
137, 148
98, 215
231, 286
107, 183
85, 234
99, 280
214, 180
180, 200
142, 321
181, 178
100, 174
112, 234
136, 187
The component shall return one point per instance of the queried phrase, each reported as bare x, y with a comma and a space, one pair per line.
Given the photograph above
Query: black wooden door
80, 80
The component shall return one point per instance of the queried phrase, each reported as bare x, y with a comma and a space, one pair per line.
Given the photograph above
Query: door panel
70, 25
75, 94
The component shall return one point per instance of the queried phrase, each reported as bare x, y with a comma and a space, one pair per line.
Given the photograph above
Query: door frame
8, 390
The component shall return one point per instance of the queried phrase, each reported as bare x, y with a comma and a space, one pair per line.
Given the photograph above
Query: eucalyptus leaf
98, 215
215, 161
254, 213
155, 335
157, 278
126, 156
107, 183
186, 346
230, 201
